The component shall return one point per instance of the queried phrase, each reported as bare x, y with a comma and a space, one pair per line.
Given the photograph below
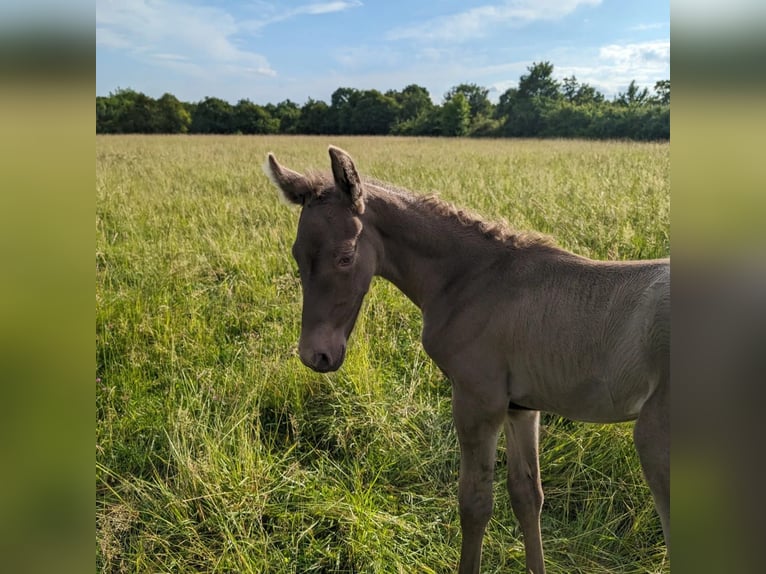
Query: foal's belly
587, 399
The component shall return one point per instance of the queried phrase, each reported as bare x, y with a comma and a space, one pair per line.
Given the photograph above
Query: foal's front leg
477, 424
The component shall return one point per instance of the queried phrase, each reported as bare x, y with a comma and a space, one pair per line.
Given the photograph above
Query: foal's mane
433, 205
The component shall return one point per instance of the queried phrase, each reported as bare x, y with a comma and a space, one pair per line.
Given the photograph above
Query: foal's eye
345, 260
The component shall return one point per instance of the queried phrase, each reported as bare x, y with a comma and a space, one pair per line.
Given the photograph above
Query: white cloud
195, 39
202, 37
478, 22
172, 57
274, 16
108, 38
652, 26
618, 64
646, 54
325, 8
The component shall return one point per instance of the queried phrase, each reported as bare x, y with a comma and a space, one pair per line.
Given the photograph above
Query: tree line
540, 106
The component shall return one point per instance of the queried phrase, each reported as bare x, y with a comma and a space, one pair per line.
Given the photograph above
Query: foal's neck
420, 251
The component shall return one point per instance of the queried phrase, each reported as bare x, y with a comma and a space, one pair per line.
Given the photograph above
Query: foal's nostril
321, 361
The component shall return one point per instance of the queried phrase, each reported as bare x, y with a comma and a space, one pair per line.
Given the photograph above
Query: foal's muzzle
323, 360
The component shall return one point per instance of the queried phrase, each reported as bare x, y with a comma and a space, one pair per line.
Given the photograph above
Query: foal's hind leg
652, 437
524, 487
477, 422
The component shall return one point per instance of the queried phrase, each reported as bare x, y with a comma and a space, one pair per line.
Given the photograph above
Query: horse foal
518, 325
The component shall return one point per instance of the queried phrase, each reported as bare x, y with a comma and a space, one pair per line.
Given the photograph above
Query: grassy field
218, 451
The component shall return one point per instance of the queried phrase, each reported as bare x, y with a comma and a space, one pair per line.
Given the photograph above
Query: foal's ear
346, 178
293, 187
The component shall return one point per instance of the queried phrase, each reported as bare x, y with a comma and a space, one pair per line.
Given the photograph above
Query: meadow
218, 451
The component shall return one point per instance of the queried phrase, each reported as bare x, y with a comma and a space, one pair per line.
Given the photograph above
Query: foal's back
585, 339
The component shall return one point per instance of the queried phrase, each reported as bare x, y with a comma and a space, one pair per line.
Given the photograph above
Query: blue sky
269, 51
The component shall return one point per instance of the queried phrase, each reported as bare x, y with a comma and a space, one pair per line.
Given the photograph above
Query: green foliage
633, 96
476, 96
540, 106
250, 118
126, 111
314, 118
172, 116
213, 116
577, 93
217, 451
373, 114
413, 101
662, 92
343, 101
539, 83
456, 116
543, 107
287, 113
426, 123
485, 127
527, 108
639, 123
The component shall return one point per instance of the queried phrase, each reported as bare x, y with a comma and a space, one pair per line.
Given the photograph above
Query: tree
476, 96
110, 109
427, 123
172, 116
103, 116
287, 113
413, 101
141, 117
521, 116
539, 82
456, 116
567, 119
343, 101
315, 118
213, 116
569, 87
587, 94
539, 106
633, 96
373, 113
525, 108
662, 92
126, 111
250, 118
578, 93
505, 103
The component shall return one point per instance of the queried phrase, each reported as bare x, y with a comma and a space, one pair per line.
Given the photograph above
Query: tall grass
217, 451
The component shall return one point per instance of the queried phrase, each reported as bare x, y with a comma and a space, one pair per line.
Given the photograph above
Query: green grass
217, 451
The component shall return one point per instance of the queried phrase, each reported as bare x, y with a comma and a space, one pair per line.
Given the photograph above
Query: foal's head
335, 262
